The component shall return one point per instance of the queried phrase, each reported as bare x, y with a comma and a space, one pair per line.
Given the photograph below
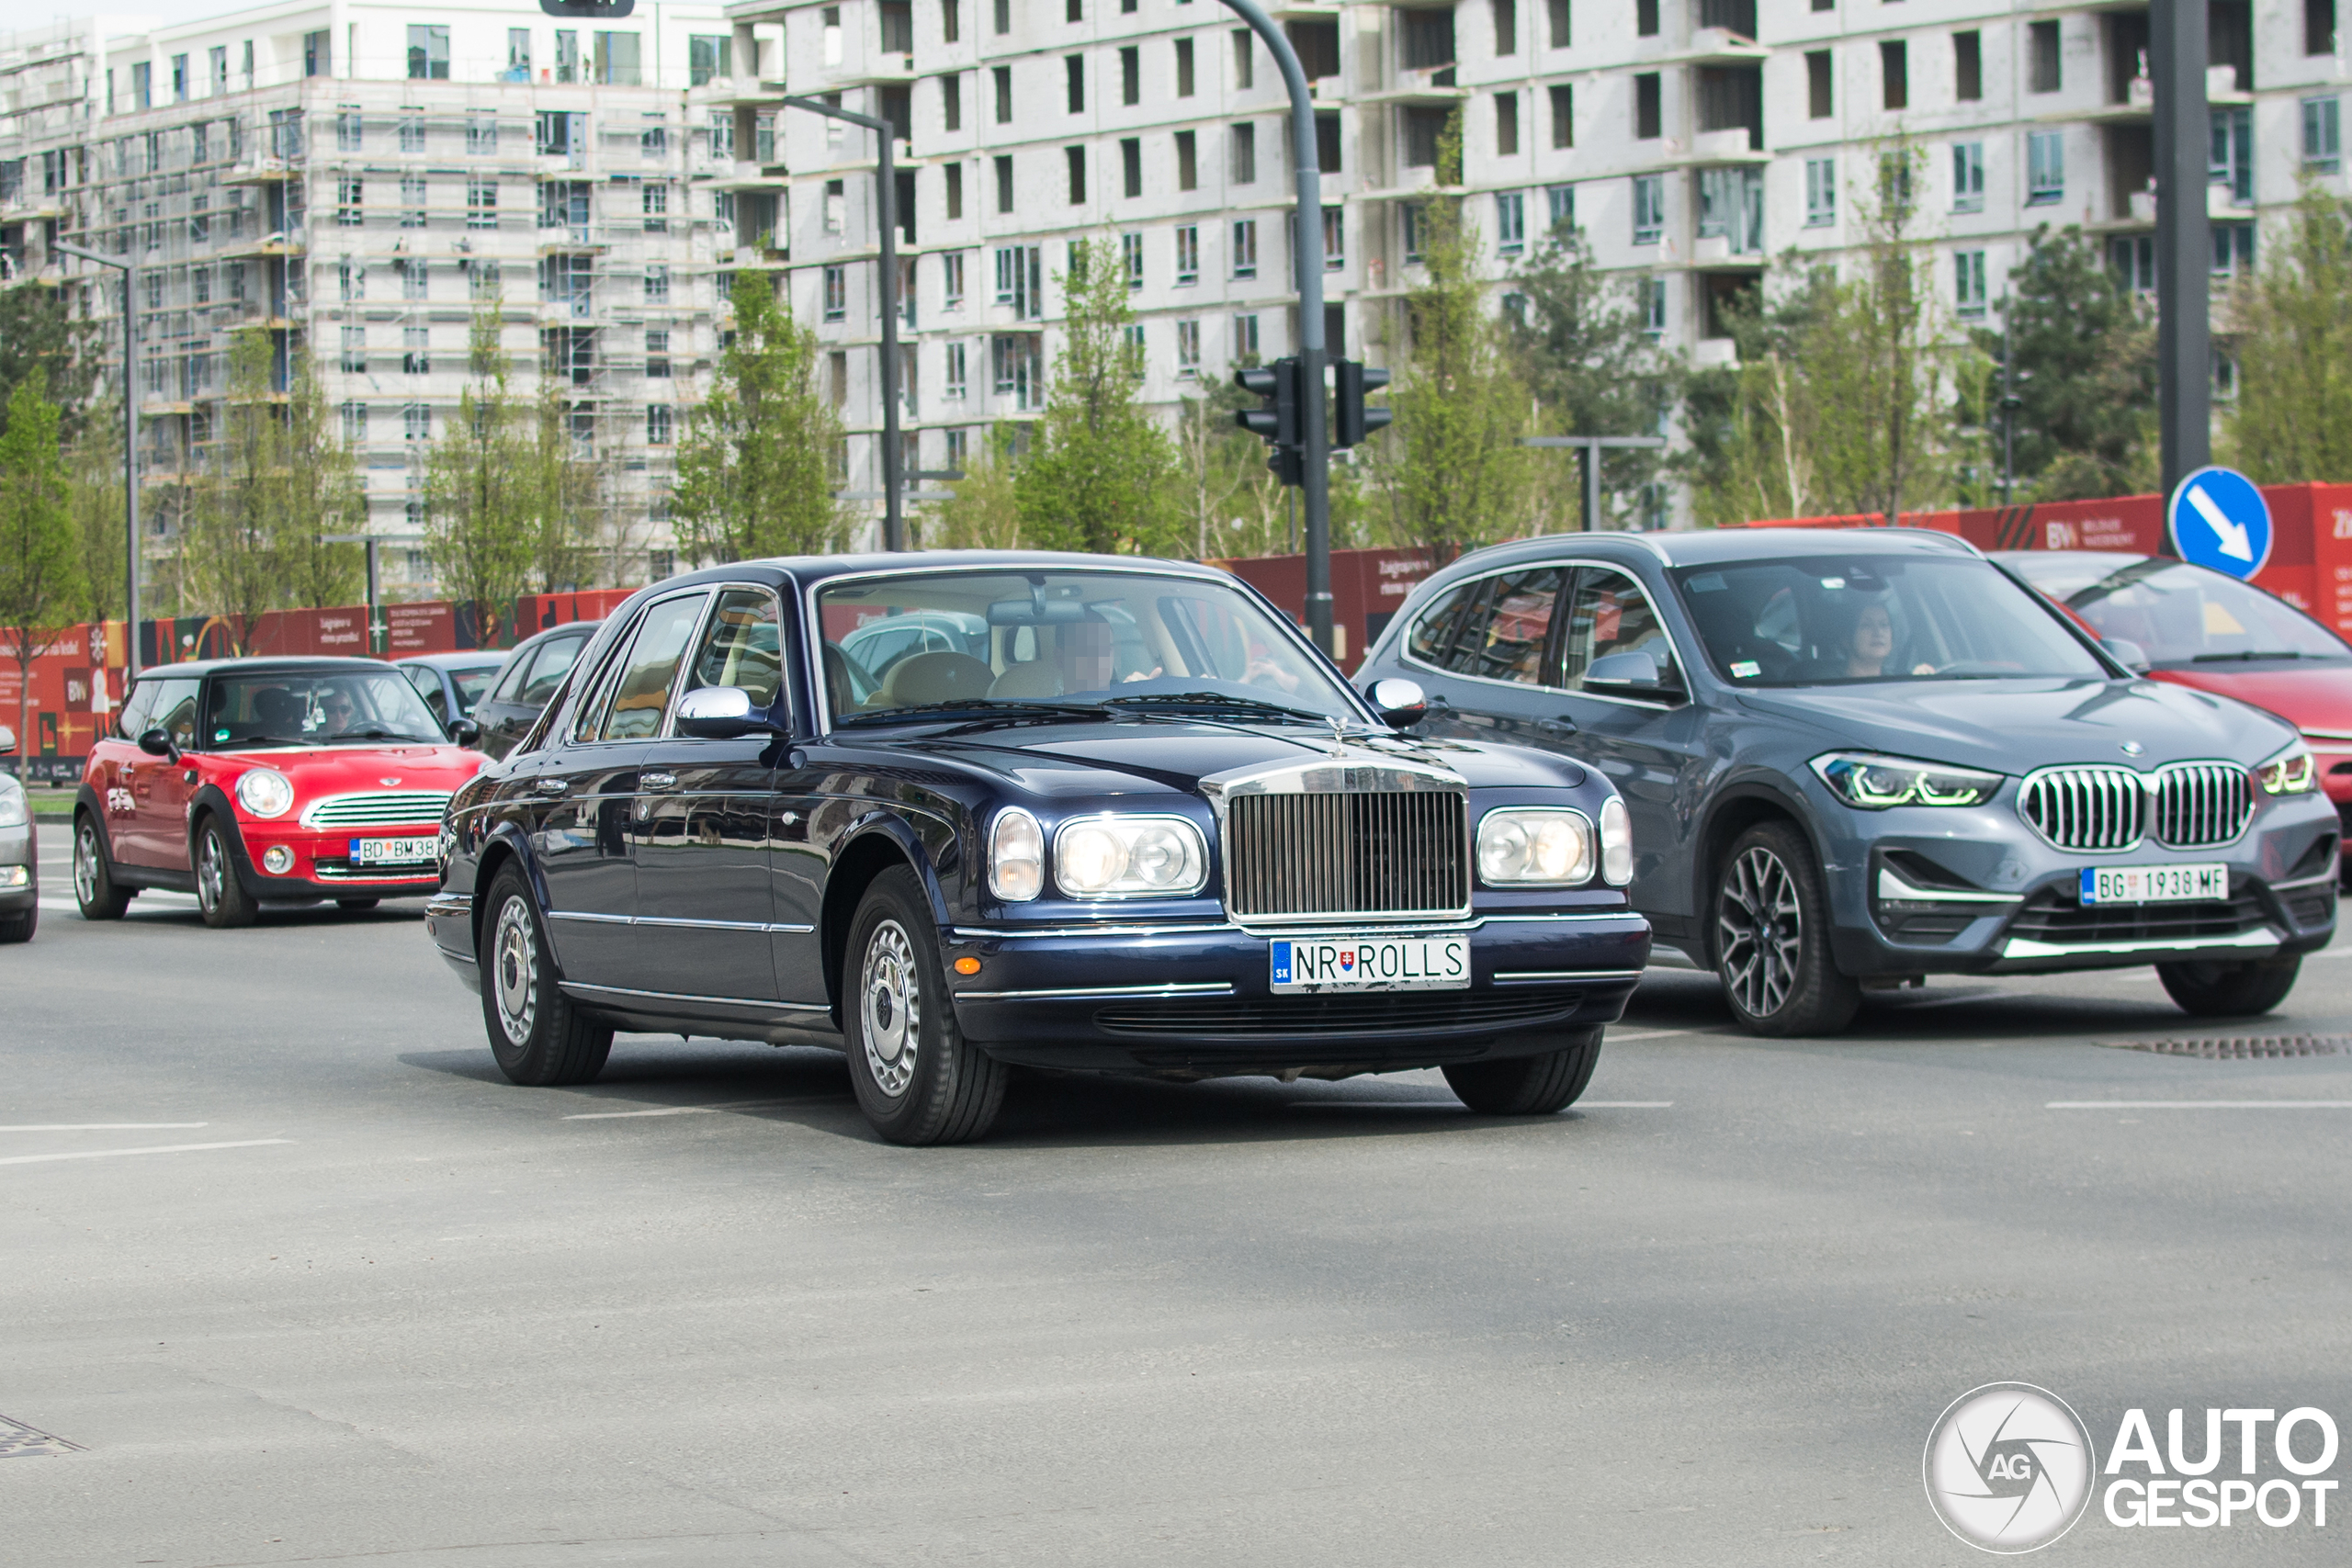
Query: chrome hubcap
210, 871
1761, 932
85, 864
514, 971
891, 1007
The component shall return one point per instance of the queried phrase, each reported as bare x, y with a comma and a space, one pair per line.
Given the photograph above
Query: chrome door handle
551, 786
657, 781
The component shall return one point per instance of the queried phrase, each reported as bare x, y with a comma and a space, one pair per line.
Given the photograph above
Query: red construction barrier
1368, 587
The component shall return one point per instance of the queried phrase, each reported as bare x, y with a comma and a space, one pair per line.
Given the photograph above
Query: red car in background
2199, 627
258, 781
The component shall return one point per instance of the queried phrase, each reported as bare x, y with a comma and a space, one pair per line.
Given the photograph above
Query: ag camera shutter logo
2009, 1467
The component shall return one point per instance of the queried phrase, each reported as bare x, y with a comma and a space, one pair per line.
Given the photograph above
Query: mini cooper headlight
264, 792
1016, 856
1872, 783
1535, 846
2291, 772
12, 804
1130, 857
1616, 843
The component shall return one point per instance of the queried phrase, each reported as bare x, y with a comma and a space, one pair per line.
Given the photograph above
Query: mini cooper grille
2203, 803
2084, 808
377, 810
1301, 855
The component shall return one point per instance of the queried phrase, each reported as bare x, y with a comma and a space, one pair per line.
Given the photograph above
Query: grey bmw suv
1857, 758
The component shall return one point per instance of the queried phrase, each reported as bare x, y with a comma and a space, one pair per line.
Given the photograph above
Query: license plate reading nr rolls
1372, 963
2209, 881
391, 851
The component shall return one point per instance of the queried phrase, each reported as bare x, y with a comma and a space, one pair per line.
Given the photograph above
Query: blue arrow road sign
2219, 519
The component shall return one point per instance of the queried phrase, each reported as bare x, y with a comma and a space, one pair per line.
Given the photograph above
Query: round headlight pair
1109, 856
264, 792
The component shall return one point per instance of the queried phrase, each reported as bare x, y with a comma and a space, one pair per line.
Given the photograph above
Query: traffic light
1353, 420
1277, 421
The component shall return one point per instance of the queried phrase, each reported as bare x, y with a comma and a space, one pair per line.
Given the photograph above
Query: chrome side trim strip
1539, 977
1385, 923
1200, 988
588, 992
450, 904
2265, 938
1892, 885
584, 918
587, 918
988, 934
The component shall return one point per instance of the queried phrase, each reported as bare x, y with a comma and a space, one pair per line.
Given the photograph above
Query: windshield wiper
243, 740
2249, 654
374, 732
1214, 701
975, 707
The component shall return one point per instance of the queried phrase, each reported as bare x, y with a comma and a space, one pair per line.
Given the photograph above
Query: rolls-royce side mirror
465, 732
1399, 702
2126, 652
722, 713
158, 743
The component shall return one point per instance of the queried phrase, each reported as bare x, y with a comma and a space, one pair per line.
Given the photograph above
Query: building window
1131, 256
1020, 280
1506, 125
1184, 68
220, 58
1563, 116
1019, 373
657, 284
2233, 159
954, 192
354, 424
653, 140
481, 132
2323, 135
1004, 182
1560, 208
1188, 253
481, 204
1968, 66
1245, 153
351, 280
2044, 74
2045, 174
1731, 208
1968, 176
1510, 222
1894, 75
347, 204
354, 351
1968, 282
412, 131
415, 279
1651, 293
412, 201
1649, 116
955, 383
1820, 98
416, 351
657, 353
1649, 209
481, 280
836, 287
1414, 223
618, 59
951, 280
1188, 166
1076, 158
654, 201
2233, 250
657, 424
1335, 239
348, 133
1646, 19
428, 53
2133, 258
1245, 339
416, 422
2319, 27
1245, 247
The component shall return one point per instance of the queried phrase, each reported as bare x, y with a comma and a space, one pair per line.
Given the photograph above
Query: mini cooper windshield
1078, 645
300, 707
1820, 620
2179, 615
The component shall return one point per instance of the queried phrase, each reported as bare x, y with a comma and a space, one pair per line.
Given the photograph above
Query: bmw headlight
12, 803
264, 792
1534, 847
1616, 843
1874, 783
2291, 772
1130, 857
1016, 856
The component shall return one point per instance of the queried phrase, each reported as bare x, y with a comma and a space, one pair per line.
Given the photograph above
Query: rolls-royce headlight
1616, 843
1130, 857
264, 792
2291, 772
1874, 783
1016, 856
1534, 847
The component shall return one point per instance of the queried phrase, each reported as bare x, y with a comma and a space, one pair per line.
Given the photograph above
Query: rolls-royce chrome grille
2184, 805
378, 809
1312, 856
2200, 804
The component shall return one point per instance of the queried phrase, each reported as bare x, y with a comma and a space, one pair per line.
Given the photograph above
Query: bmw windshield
1064, 644
1831, 620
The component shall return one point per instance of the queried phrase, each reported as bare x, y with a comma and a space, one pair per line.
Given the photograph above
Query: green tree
481, 516
1451, 464
1233, 505
229, 546
42, 589
566, 489
39, 332
2291, 333
94, 472
1102, 474
754, 475
316, 494
981, 511
2083, 355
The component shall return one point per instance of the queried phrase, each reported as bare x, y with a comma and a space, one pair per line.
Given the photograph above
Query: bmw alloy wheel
516, 979
1761, 931
890, 999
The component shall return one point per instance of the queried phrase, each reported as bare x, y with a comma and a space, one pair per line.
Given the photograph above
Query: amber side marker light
968, 965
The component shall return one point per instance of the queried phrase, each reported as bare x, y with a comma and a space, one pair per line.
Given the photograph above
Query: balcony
261, 172
1722, 147
1719, 46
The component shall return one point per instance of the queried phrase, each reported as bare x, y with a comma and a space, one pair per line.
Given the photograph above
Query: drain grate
2241, 1047
17, 1441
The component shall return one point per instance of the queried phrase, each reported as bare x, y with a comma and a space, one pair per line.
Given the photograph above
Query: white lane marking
100, 1126
157, 1149
1622, 1105
683, 1110
2198, 1105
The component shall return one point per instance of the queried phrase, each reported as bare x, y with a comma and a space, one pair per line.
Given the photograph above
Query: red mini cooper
260, 781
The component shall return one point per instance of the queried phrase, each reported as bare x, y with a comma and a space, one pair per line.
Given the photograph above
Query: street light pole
130, 270
893, 526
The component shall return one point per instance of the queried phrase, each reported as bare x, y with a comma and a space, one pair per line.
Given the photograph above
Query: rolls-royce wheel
539, 1037
220, 898
357, 903
20, 927
2208, 989
1528, 1086
1772, 938
918, 1079
95, 888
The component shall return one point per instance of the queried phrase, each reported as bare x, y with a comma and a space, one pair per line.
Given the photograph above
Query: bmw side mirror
1400, 703
2126, 652
465, 732
1635, 675
158, 743
721, 713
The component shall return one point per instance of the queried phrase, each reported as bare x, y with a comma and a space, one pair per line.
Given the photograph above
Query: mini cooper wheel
1771, 938
1528, 1086
95, 888
2206, 990
220, 898
539, 1037
917, 1078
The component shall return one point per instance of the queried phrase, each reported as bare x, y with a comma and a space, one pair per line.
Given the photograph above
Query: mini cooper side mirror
721, 713
465, 732
1635, 675
7, 741
2126, 652
158, 743
1400, 702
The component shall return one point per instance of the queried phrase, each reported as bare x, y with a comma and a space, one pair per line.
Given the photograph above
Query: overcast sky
40, 12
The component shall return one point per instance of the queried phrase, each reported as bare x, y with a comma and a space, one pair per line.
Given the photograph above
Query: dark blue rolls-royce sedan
1104, 815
